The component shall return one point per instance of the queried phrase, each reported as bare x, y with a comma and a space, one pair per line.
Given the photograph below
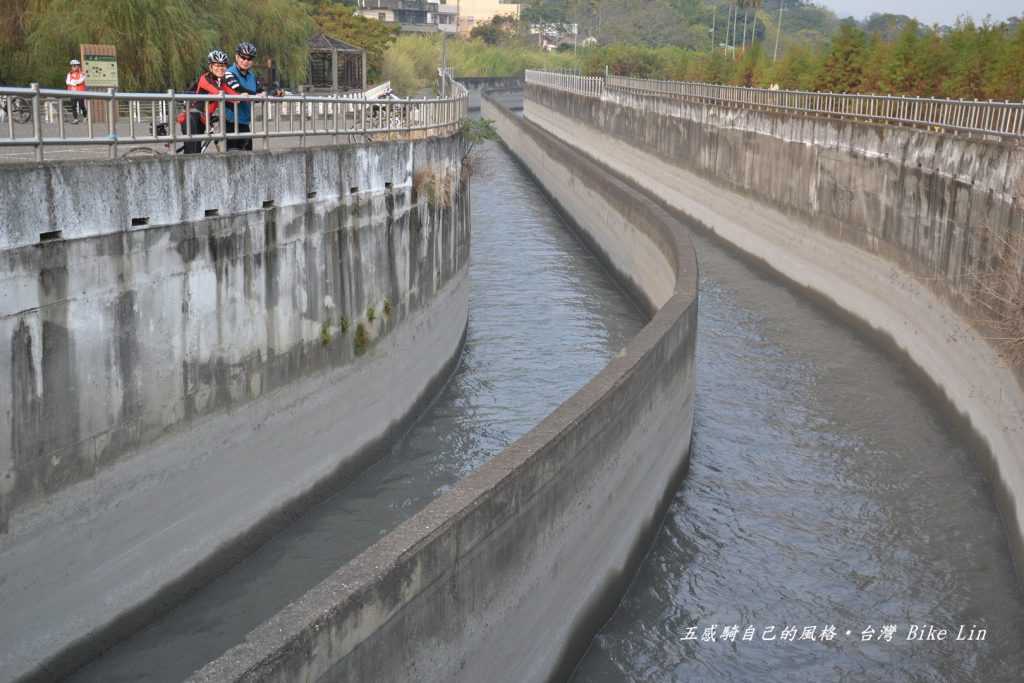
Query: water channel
825, 489
544, 318
824, 486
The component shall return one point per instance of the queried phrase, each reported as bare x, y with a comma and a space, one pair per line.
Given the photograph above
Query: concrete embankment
507, 576
205, 345
478, 85
887, 223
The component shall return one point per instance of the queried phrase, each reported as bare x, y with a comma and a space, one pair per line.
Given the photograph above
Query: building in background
448, 16
474, 12
413, 16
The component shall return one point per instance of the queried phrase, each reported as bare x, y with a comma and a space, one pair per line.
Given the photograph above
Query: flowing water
544, 318
825, 488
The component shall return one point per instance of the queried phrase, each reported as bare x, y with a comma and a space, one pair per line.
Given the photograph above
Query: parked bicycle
18, 108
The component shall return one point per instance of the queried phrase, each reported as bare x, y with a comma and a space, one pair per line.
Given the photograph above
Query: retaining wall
888, 223
241, 359
478, 85
507, 576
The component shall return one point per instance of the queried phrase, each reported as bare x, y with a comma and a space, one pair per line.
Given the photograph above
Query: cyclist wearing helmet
212, 82
241, 78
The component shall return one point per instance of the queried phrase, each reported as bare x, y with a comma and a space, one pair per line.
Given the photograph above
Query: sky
927, 11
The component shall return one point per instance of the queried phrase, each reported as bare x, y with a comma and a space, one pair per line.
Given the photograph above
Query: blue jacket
239, 83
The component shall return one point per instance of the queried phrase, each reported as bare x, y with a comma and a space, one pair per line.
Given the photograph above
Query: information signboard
99, 62
100, 65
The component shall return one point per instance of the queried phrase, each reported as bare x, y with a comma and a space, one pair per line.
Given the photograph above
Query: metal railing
152, 117
591, 86
1001, 119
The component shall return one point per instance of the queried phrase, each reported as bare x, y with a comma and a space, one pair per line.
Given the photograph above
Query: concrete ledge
122, 334
479, 85
878, 221
176, 392
507, 576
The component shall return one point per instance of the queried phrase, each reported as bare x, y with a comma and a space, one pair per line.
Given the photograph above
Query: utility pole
728, 28
713, 18
778, 32
735, 26
444, 65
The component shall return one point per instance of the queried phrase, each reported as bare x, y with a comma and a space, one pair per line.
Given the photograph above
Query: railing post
111, 122
172, 119
266, 122
222, 113
37, 130
302, 118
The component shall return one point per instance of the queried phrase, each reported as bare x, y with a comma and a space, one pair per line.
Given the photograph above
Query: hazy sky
927, 11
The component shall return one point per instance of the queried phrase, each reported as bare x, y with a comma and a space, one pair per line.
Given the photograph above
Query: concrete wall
224, 354
886, 222
507, 576
478, 85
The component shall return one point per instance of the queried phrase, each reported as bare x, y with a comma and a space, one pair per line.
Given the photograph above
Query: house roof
322, 41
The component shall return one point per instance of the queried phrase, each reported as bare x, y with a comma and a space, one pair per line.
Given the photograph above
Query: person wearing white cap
76, 81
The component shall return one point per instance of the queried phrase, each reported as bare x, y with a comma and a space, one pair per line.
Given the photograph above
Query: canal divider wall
887, 223
507, 576
174, 389
476, 86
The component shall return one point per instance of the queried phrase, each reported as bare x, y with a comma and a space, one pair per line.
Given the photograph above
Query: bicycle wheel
21, 110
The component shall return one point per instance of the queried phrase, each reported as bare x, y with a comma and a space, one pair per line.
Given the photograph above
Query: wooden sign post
99, 62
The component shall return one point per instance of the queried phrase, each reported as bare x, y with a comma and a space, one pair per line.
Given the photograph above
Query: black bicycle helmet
246, 50
217, 57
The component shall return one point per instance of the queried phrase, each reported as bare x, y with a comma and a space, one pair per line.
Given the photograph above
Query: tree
906, 72
544, 12
160, 43
796, 70
474, 132
973, 54
1006, 80
150, 56
752, 67
280, 28
14, 56
876, 62
843, 69
494, 31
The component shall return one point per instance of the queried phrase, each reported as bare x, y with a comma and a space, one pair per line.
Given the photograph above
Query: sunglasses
245, 59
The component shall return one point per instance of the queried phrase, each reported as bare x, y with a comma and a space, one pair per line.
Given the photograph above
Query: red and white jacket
76, 80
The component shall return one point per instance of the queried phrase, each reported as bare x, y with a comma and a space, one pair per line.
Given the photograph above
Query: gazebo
335, 66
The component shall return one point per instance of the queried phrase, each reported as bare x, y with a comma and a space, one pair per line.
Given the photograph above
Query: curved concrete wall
234, 358
507, 576
478, 85
885, 222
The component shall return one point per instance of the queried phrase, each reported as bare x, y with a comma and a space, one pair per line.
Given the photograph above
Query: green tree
843, 68
902, 72
875, 65
752, 67
150, 56
1006, 80
399, 68
495, 31
161, 43
475, 132
14, 55
795, 70
973, 54
543, 12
